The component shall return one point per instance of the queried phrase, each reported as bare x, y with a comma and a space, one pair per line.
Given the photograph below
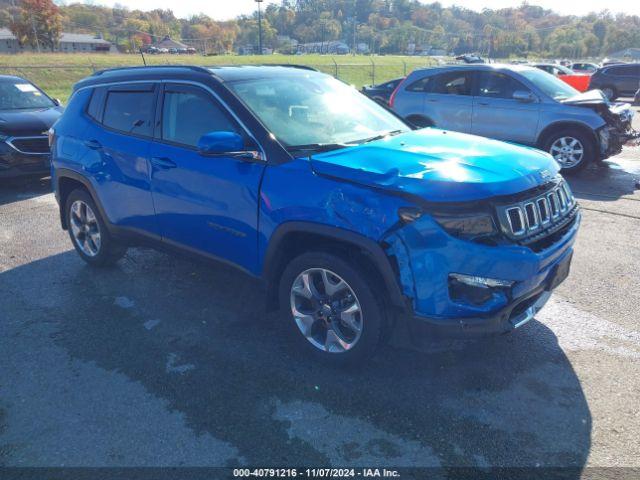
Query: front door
497, 114
449, 101
207, 204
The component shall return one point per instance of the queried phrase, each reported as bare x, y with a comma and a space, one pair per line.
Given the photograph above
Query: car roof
12, 77
478, 66
192, 72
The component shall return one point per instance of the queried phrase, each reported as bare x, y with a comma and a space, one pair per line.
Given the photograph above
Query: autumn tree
37, 23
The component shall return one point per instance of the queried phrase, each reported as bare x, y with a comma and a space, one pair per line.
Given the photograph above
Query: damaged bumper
618, 131
427, 257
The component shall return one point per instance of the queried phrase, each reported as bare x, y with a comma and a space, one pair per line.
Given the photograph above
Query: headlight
467, 227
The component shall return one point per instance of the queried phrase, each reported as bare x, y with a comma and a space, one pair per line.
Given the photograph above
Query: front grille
531, 219
30, 145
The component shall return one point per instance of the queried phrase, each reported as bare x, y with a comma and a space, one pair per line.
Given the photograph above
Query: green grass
56, 73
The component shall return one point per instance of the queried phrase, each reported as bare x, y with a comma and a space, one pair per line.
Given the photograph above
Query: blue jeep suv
356, 223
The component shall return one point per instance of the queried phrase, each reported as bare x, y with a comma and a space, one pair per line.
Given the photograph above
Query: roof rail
290, 65
159, 67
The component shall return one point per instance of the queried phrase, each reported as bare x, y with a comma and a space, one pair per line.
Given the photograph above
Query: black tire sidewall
373, 316
587, 143
110, 251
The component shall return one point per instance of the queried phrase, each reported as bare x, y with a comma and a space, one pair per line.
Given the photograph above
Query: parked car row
26, 114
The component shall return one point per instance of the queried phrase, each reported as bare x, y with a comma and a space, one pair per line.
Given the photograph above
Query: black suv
26, 114
617, 80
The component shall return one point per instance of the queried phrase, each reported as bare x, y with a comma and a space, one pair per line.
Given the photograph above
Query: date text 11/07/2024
316, 473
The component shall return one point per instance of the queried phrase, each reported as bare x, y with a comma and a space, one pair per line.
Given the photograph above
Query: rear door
496, 114
448, 100
626, 77
117, 152
204, 203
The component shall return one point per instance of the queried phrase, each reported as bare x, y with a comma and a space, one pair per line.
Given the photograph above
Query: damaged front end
483, 268
618, 129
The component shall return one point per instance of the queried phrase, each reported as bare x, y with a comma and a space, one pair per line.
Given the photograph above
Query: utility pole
35, 33
259, 26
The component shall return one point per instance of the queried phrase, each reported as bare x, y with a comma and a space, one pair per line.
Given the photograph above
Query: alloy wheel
326, 310
85, 228
567, 151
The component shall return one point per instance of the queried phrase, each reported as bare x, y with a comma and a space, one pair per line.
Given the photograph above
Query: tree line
383, 26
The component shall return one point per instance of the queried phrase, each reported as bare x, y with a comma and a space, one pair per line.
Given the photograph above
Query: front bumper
617, 132
427, 257
16, 164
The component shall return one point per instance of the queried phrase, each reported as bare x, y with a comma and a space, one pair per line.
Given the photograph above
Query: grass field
56, 73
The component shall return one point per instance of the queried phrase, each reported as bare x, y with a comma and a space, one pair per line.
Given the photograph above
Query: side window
622, 70
130, 112
421, 85
452, 83
188, 114
498, 85
94, 109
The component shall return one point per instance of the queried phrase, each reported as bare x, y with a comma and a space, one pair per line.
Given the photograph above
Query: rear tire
419, 121
88, 231
330, 309
573, 149
610, 93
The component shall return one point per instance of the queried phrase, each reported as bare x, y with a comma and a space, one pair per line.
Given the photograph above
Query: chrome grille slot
553, 202
516, 220
531, 212
562, 198
543, 208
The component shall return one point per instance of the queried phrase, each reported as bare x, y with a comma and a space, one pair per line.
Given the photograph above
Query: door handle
432, 100
163, 162
93, 144
484, 104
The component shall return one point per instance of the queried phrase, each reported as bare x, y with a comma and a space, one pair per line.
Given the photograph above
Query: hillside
381, 26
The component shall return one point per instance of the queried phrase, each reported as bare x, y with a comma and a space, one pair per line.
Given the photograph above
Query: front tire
610, 93
571, 148
330, 308
89, 233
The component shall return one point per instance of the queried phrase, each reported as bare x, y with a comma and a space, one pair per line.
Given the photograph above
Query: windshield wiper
380, 136
317, 147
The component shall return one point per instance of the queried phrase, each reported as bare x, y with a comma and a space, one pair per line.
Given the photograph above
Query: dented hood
439, 166
590, 97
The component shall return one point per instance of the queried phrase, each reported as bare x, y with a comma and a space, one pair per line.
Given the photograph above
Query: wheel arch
293, 238
566, 124
419, 116
66, 182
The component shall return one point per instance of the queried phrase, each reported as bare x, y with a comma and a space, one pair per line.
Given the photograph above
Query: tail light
392, 98
51, 133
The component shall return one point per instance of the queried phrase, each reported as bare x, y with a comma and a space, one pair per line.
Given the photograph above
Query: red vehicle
577, 80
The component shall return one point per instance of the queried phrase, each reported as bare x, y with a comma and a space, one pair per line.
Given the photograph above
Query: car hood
28, 122
590, 97
439, 166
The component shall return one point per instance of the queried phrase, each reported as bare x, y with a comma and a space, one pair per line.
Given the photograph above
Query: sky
226, 9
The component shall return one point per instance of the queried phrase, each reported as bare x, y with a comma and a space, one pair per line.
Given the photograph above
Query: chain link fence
58, 80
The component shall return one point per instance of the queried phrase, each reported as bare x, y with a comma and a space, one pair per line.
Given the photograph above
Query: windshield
315, 110
548, 84
18, 94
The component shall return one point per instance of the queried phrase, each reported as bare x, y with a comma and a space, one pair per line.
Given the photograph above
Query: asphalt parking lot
163, 361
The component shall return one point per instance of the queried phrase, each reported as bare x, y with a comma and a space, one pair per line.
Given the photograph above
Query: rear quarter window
130, 112
421, 85
94, 109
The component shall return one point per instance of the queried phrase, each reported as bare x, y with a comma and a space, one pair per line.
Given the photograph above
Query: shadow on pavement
23, 188
195, 337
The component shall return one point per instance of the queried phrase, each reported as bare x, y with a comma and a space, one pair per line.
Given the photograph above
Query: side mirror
220, 142
524, 96
228, 144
